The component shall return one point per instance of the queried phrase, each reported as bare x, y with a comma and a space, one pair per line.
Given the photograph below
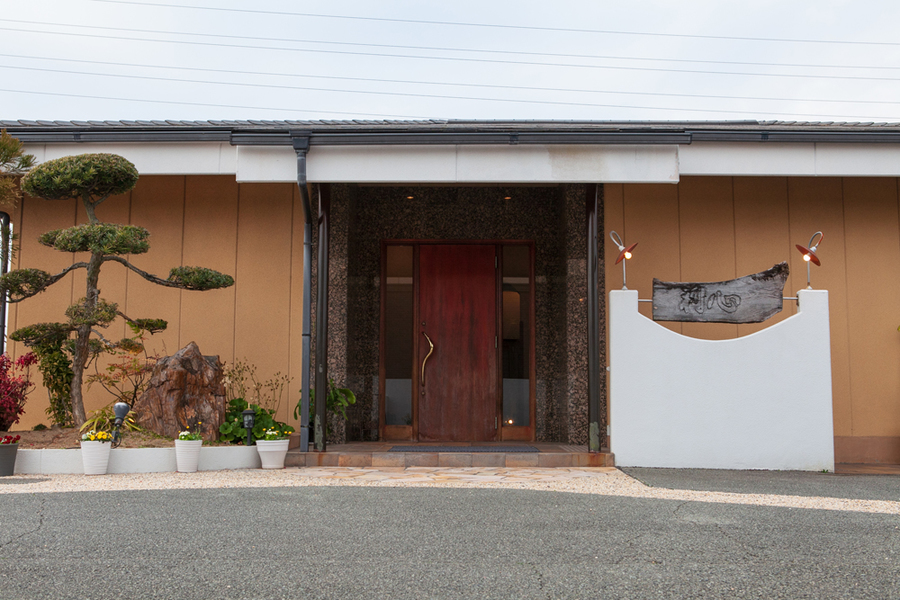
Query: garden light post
249, 421
121, 410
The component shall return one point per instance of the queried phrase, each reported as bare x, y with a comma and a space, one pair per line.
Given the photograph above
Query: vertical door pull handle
425, 360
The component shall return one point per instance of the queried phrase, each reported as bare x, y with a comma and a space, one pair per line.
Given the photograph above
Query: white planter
95, 457
272, 453
187, 455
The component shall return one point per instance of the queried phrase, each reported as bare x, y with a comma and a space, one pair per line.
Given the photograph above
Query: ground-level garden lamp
624, 253
121, 410
249, 421
809, 254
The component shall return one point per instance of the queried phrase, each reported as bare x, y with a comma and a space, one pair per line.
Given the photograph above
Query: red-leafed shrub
15, 384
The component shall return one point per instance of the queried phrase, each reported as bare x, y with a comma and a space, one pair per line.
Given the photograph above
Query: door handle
425, 360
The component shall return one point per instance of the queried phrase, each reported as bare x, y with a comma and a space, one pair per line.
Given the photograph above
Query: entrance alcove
547, 223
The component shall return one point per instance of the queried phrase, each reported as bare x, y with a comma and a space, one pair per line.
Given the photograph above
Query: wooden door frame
411, 432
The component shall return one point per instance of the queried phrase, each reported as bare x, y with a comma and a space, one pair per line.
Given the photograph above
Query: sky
647, 60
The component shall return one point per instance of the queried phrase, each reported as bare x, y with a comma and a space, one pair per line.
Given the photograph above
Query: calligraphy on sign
750, 299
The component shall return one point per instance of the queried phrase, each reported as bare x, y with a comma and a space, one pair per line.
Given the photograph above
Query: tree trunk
82, 348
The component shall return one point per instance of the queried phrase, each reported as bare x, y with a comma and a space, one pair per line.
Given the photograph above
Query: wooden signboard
750, 299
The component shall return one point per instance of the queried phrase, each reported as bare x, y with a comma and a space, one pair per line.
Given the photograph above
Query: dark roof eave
281, 133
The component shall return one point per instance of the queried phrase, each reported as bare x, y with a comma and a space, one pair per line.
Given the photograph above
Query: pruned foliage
13, 163
149, 325
80, 177
104, 238
91, 179
42, 334
24, 283
100, 314
199, 278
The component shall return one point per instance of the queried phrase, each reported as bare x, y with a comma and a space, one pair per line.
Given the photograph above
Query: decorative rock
185, 389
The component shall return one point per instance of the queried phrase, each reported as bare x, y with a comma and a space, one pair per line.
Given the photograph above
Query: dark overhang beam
283, 137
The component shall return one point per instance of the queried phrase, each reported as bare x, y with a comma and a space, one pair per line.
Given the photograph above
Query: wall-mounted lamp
624, 253
809, 254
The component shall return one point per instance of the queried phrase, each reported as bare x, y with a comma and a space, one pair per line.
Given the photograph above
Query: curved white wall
757, 402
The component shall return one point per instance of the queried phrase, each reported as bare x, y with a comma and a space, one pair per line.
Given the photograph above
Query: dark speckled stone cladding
553, 217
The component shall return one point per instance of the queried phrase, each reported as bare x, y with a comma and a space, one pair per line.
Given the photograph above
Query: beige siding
716, 228
250, 231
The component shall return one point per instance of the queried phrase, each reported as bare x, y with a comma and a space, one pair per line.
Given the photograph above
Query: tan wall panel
263, 280
762, 236
37, 217
210, 240
706, 213
873, 303
816, 204
651, 219
157, 204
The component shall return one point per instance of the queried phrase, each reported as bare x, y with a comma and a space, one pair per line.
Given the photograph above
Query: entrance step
377, 454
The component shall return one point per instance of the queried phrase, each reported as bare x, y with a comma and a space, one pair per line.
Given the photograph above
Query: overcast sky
810, 60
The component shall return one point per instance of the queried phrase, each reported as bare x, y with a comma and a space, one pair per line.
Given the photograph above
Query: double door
443, 341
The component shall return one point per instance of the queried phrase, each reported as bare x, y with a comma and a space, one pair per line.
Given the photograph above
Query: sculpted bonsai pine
91, 178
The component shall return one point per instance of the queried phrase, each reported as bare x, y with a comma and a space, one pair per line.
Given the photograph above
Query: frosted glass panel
398, 343
515, 327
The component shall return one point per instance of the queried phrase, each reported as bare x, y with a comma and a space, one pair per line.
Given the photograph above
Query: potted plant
187, 449
95, 447
9, 445
273, 447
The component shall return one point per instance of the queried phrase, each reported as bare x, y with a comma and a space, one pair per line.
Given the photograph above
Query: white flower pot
187, 455
95, 456
272, 453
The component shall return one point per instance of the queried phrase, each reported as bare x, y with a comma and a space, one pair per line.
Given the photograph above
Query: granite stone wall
552, 217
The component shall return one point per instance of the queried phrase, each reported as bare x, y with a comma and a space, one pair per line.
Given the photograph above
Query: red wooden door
457, 396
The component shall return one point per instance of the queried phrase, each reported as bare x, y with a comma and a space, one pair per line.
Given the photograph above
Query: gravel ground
602, 482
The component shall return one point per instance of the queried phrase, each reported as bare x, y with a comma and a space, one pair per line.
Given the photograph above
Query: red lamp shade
624, 252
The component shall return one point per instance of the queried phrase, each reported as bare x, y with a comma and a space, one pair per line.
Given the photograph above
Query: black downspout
6, 236
322, 387
593, 318
301, 147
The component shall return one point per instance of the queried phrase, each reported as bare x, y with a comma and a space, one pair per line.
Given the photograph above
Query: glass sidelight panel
515, 315
398, 335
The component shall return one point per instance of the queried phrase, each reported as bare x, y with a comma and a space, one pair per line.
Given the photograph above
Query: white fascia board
494, 164
858, 160
381, 164
791, 159
152, 158
747, 158
266, 164
568, 163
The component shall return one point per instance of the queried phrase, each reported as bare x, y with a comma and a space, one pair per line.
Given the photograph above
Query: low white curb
135, 460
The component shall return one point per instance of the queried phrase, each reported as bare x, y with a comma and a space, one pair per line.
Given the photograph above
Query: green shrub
232, 430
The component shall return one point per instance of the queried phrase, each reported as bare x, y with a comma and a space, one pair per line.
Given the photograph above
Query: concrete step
378, 457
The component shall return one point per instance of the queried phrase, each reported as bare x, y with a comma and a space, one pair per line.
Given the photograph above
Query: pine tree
92, 179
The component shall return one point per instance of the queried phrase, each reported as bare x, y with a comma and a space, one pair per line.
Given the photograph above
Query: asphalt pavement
410, 543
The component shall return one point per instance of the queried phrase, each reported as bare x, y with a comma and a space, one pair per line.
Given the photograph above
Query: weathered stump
185, 389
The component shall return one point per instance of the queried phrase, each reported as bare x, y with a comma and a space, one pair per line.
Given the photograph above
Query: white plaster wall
762, 401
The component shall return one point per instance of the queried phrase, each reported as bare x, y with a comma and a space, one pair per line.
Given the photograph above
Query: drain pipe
5, 236
301, 147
